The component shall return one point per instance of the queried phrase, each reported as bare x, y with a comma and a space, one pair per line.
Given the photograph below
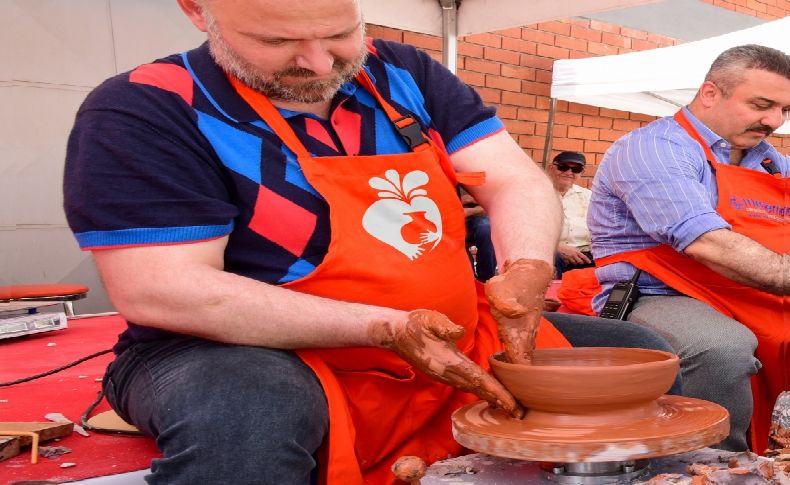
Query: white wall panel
38, 255
35, 130
54, 52
56, 41
34, 255
145, 30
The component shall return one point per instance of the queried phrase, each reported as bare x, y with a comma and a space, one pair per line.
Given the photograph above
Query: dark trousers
221, 414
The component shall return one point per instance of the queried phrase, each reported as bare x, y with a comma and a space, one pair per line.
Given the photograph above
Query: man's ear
194, 11
709, 93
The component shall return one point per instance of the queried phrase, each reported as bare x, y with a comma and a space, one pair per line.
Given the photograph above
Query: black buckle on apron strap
410, 132
769, 166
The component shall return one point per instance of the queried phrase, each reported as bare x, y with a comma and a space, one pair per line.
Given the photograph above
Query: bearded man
275, 214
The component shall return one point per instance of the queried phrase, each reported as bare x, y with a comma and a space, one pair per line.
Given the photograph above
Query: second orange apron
755, 204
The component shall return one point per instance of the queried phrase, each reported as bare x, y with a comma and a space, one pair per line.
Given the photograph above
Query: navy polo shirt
169, 153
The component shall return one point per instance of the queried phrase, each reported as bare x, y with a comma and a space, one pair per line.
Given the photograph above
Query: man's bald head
297, 51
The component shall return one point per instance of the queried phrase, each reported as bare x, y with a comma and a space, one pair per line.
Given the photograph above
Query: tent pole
549, 133
449, 34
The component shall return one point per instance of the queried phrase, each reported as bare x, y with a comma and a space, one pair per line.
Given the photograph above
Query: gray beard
309, 92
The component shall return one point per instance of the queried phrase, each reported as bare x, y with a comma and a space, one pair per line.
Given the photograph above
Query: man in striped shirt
659, 189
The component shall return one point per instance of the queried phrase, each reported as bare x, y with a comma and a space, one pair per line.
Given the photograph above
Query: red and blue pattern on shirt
170, 154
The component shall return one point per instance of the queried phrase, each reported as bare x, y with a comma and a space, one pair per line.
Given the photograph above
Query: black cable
84, 417
84, 420
54, 371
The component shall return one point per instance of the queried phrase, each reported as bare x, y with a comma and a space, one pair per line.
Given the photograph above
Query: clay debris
781, 458
53, 452
462, 465
779, 434
668, 479
741, 469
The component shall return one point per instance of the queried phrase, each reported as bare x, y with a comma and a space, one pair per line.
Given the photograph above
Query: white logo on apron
405, 218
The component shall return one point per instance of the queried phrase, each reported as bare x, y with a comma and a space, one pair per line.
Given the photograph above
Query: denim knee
232, 414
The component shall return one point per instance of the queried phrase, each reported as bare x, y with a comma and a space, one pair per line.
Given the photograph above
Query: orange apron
397, 233
755, 204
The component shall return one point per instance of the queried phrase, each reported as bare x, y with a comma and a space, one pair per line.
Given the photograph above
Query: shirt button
723, 144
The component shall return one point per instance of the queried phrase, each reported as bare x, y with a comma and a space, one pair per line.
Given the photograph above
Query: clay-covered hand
516, 299
427, 341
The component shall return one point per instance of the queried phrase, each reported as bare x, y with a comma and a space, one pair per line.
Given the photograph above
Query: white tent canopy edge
656, 82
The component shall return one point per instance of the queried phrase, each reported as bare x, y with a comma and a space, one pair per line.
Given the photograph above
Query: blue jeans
478, 233
225, 414
221, 413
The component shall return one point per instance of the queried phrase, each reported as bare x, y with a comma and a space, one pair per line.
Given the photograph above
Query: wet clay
743, 469
677, 424
779, 433
427, 341
409, 469
591, 404
516, 299
588, 380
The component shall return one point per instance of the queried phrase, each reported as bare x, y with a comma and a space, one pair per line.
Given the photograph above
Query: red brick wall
511, 69
765, 9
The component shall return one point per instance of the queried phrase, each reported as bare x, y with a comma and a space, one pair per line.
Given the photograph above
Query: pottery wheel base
678, 424
600, 473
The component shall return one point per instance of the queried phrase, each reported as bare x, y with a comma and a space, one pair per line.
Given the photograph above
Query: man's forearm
742, 260
526, 224
524, 209
195, 298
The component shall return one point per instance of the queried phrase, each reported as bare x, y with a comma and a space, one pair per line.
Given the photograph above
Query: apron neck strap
269, 114
684, 122
407, 126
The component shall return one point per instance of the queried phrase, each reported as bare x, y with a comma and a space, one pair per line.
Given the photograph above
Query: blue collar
214, 84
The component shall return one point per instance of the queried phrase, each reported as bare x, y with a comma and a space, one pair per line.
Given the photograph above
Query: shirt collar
214, 82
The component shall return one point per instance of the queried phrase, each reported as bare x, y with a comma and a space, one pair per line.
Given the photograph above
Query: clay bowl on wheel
585, 380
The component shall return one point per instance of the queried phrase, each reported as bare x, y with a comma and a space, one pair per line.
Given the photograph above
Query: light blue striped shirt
654, 186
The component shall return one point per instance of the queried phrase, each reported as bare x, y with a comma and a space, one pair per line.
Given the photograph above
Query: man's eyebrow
762, 99
346, 32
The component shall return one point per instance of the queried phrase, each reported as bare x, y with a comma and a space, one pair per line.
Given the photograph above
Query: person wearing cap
573, 250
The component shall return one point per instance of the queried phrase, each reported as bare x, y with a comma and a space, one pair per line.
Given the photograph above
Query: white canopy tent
452, 18
658, 81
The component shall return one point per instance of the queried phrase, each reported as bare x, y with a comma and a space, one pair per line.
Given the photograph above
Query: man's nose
774, 118
314, 56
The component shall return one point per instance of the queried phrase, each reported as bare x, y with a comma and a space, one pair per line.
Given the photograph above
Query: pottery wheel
673, 424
